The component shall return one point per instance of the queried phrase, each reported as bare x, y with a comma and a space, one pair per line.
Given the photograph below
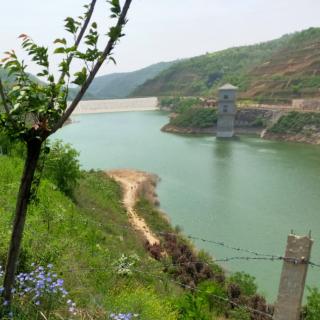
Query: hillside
120, 85
284, 68
85, 248
116, 85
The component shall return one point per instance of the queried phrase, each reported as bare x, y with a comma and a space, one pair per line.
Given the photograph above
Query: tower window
225, 96
225, 108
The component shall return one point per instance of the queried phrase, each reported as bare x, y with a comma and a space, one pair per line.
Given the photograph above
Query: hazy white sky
163, 30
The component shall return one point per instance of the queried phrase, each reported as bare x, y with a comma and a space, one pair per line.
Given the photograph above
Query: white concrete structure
226, 111
117, 105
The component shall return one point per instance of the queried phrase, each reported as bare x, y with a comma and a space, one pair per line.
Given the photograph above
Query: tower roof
228, 86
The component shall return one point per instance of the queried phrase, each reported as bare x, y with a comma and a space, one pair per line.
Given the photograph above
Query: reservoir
247, 193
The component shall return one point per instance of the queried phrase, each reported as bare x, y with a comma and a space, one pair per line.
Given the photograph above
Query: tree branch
3, 98
80, 36
85, 86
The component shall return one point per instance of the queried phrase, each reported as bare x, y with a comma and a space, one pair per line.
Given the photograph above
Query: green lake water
248, 192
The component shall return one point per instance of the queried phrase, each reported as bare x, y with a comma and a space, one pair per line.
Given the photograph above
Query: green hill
284, 68
116, 85
120, 85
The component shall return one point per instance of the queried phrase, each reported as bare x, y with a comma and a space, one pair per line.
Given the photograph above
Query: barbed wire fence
256, 255
295, 265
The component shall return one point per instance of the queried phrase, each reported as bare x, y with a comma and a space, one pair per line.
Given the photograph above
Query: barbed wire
223, 244
258, 256
221, 298
181, 284
165, 265
313, 264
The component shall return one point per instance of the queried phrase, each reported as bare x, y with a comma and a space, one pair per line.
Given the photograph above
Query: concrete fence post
293, 278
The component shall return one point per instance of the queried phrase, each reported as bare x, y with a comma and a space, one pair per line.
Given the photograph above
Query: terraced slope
284, 68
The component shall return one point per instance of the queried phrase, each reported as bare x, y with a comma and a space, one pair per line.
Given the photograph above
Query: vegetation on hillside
121, 85
85, 247
195, 117
178, 104
33, 111
274, 71
89, 244
297, 122
188, 112
85, 242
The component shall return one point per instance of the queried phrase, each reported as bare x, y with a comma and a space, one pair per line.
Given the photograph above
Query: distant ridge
121, 85
285, 68
113, 86
273, 71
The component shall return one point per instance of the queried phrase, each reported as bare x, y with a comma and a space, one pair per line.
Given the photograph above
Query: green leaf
115, 7
42, 74
71, 49
59, 50
51, 78
113, 60
71, 25
62, 41
80, 77
115, 33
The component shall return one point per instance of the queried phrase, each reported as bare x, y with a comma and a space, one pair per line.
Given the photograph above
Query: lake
248, 193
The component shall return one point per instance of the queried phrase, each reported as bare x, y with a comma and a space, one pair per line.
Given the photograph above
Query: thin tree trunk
33, 153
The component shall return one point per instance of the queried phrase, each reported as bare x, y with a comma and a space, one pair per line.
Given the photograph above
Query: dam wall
117, 105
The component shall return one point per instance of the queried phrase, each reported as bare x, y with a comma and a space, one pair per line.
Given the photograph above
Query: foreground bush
62, 167
312, 308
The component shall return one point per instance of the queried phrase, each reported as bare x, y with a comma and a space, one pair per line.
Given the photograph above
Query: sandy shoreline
117, 105
133, 182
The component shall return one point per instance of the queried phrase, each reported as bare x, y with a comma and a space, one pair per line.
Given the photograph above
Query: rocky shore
208, 131
180, 130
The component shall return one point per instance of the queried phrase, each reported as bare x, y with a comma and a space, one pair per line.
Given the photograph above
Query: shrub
312, 309
9, 147
179, 104
205, 302
246, 283
62, 167
294, 122
195, 117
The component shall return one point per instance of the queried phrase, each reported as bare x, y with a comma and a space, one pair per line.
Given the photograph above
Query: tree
33, 111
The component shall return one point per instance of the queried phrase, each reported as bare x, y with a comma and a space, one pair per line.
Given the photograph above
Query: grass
154, 218
84, 240
88, 239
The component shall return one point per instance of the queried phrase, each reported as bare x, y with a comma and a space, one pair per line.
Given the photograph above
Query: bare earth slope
131, 182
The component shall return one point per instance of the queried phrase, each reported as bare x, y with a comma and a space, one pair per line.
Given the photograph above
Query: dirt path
130, 181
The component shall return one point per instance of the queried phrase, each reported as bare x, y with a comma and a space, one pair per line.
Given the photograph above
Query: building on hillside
227, 96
